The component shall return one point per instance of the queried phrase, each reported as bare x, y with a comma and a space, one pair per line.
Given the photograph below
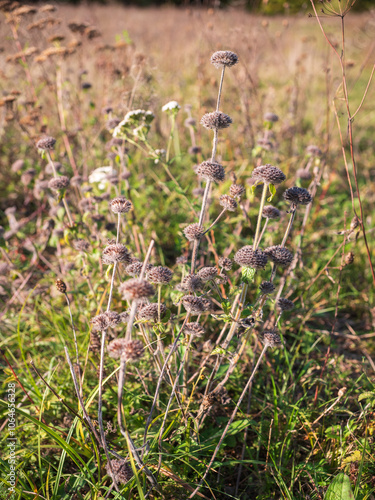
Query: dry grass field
164, 332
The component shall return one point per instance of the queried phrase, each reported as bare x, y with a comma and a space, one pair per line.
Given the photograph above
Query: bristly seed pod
61, 286
285, 304
211, 171
135, 268
150, 312
270, 117
267, 287
193, 232
236, 190
160, 275
131, 350
207, 273
114, 318
268, 174
59, 183
81, 245
136, 289
100, 323
225, 263
115, 253
297, 196
281, 256
120, 205
224, 58
270, 212
194, 329
247, 257
271, 339
228, 203
122, 471
191, 283
193, 304
46, 143
216, 120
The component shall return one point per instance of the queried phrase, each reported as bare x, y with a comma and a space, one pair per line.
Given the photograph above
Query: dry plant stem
201, 218
263, 230
111, 288
230, 421
286, 235
173, 348
350, 133
259, 223
215, 221
51, 163
118, 227
75, 340
124, 432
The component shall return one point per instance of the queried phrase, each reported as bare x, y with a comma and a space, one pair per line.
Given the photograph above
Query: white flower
133, 119
171, 106
101, 175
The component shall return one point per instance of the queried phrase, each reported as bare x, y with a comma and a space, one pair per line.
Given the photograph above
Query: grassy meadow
161, 337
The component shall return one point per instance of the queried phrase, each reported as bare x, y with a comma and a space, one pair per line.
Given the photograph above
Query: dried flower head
149, 312
228, 203
236, 190
134, 269
122, 471
270, 212
313, 150
216, 120
225, 263
297, 196
191, 283
160, 275
193, 232
281, 256
61, 286
207, 273
268, 174
182, 260
124, 316
207, 304
248, 257
349, 258
95, 343
285, 304
114, 318
194, 150
81, 245
115, 253
100, 322
194, 329
46, 143
131, 350
59, 183
271, 339
354, 223
224, 58
267, 287
194, 305
270, 117
136, 289
120, 205
211, 171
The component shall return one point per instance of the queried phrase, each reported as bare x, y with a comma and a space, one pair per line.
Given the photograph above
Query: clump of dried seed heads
279, 255
136, 289
248, 257
131, 350
122, 471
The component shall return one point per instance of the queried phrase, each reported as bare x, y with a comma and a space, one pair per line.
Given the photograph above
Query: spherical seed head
247, 257
115, 253
114, 318
228, 203
160, 275
267, 287
216, 120
271, 339
136, 289
207, 304
268, 174
211, 171
120, 205
193, 232
122, 471
150, 312
135, 268
194, 329
194, 305
225, 263
314, 150
61, 286
271, 117
207, 273
76, 180
131, 350
182, 260
236, 190
124, 316
285, 304
194, 150
100, 322
297, 196
81, 245
224, 58
191, 282
46, 143
59, 183
281, 256
270, 212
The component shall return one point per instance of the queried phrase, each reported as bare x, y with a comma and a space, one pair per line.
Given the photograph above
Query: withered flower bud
224, 58
270, 212
228, 203
193, 232
285, 304
281, 256
247, 257
115, 253
207, 273
46, 143
268, 174
61, 286
216, 120
271, 339
211, 171
120, 205
136, 289
160, 275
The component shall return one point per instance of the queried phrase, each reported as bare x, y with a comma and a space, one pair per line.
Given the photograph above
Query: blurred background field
60, 67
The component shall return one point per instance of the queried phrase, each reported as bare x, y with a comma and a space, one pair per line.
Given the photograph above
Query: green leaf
340, 489
366, 395
218, 350
226, 305
248, 274
272, 190
166, 316
253, 187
